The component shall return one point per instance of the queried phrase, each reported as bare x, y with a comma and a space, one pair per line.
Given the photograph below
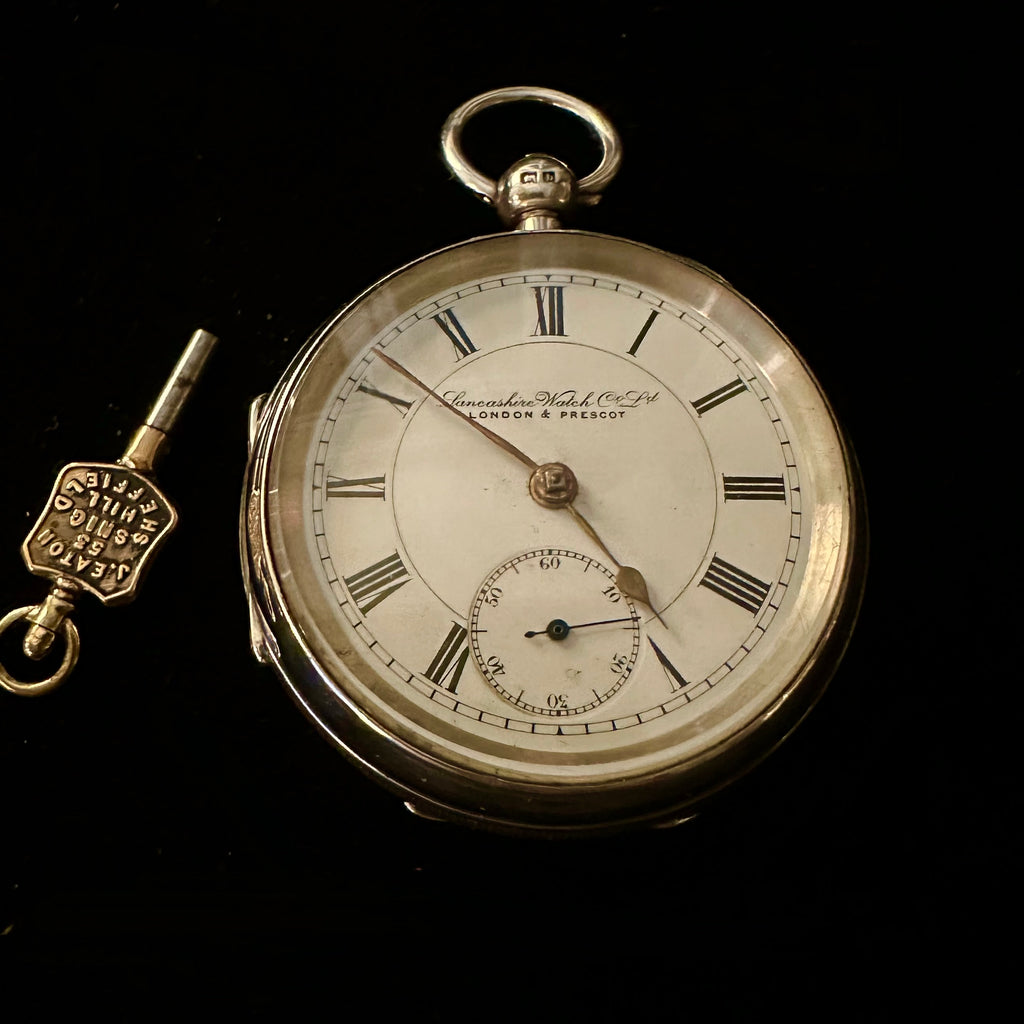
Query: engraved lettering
77, 517
150, 506
150, 525
62, 503
74, 486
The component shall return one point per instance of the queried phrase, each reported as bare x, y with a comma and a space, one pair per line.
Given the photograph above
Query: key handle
102, 524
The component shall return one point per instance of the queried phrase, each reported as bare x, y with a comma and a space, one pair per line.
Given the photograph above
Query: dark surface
169, 817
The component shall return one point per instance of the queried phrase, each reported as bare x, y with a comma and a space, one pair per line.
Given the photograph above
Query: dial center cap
553, 485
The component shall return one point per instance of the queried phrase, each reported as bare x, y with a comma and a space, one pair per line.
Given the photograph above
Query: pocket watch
551, 531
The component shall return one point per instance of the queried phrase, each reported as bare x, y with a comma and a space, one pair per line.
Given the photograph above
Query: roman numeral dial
715, 398
450, 660
401, 404
672, 674
456, 333
550, 311
753, 488
362, 487
377, 582
735, 584
639, 339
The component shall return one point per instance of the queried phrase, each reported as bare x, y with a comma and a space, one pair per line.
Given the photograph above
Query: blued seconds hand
559, 629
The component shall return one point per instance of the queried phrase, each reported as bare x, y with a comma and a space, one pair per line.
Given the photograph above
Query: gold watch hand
629, 580
490, 434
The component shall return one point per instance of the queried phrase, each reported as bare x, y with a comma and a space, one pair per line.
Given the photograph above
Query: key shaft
149, 442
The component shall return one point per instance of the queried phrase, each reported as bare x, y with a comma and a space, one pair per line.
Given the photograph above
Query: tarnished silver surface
439, 766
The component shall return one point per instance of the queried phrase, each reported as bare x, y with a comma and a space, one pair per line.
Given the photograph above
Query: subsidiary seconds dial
553, 634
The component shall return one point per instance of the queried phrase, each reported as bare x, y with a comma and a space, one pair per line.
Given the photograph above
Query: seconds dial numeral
732, 583
373, 584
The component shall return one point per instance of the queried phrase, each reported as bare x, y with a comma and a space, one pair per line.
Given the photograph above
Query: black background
170, 820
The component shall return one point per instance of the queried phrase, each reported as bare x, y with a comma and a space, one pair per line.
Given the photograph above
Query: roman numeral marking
753, 488
446, 668
718, 396
643, 333
362, 487
732, 583
456, 333
675, 677
550, 311
398, 403
371, 585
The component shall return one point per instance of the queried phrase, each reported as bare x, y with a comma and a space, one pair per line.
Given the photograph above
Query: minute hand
490, 434
628, 579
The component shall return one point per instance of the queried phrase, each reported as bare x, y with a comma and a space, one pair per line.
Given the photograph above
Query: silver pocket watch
550, 531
